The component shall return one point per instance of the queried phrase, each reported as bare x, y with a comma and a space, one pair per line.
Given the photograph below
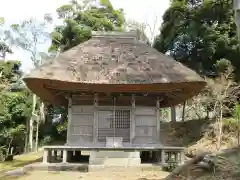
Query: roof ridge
115, 34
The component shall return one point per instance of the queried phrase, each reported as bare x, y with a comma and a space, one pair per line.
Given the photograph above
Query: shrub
230, 125
47, 140
171, 164
2, 153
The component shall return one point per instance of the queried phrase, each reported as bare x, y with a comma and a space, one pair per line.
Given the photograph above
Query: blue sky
15, 11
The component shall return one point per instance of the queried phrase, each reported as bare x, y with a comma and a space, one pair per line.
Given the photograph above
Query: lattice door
108, 126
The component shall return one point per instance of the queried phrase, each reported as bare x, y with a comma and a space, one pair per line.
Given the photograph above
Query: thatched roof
112, 63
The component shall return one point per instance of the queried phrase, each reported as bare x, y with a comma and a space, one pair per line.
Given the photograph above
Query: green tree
237, 117
140, 29
4, 37
199, 33
80, 18
15, 107
29, 35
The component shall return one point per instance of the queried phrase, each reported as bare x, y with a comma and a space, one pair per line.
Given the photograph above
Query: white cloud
14, 11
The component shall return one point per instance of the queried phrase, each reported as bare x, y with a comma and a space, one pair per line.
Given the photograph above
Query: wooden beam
168, 98
110, 88
100, 94
177, 93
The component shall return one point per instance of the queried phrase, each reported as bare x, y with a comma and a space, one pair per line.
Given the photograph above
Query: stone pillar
47, 156
182, 157
163, 157
65, 156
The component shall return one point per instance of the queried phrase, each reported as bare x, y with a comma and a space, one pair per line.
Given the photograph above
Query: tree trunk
238, 132
31, 123
173, 114
9, 146
185, 166
169, 115
26, 145
40, 119
220, 128
36, 138
238, 138
207, 115
42, 113
31, 134
183, 111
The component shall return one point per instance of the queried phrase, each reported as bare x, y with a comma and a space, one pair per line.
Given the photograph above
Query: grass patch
20, 161
8, 177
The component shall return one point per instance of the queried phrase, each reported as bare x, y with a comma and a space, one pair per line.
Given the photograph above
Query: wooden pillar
95, 119
133, 123
158, 119
47, 154
69, 119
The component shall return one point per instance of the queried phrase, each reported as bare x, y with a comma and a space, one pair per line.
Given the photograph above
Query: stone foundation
115, 158
111, 156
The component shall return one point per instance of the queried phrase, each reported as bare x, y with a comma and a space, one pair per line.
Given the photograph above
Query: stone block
115, 158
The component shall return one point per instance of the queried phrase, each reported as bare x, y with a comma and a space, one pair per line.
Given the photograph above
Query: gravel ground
106, 174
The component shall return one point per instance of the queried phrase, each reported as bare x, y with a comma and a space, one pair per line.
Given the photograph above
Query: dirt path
127, 174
